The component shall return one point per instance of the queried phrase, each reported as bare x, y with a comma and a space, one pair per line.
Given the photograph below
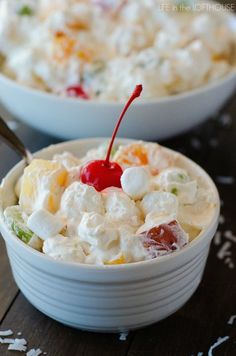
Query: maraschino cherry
102, 174
77, 91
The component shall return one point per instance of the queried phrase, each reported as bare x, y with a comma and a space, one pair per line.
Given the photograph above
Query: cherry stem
137, 91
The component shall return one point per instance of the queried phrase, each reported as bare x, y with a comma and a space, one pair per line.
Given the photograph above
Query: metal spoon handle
13, 141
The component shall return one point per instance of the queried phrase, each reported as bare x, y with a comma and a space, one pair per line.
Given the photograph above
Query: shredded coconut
225, 120
34, 352
221, 219
6, 332
227, 180
229, 235
232, 319
217, 238
219, 341
225, 250
18, 345
123, 336
6, 341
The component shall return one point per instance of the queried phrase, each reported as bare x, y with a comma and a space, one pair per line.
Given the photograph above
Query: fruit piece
103, 173
63, 47
84, 55
117, 261
77, 91
25, 10
132, 155
193, 231
101, 176
42, 185
165, 237
16, 222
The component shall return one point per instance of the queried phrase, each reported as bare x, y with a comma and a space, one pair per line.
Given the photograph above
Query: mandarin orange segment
77, 26
84, 55
133, 155
63, 46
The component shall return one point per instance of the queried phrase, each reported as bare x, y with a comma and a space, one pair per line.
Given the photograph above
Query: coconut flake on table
18, 345
219, 341
221, 219
217, 238
6, 341
232, 319
34, 352
229, 235
225, 120
123, 336
225, 250
227, 180
6, 332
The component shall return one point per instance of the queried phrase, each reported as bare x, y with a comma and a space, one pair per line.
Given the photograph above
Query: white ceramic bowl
73, 118
105, 298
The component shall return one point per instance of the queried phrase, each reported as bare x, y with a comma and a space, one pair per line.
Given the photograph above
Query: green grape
15, 221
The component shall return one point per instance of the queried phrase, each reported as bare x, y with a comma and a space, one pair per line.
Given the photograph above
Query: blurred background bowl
70, 118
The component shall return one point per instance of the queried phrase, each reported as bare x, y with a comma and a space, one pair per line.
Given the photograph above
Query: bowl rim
93, 267
162, 100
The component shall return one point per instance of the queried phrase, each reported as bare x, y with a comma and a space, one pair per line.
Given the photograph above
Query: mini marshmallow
45, 224
135, 182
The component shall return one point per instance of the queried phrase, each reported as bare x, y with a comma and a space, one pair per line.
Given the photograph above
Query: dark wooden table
195, 327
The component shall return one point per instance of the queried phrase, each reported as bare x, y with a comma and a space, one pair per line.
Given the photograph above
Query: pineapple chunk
42, 185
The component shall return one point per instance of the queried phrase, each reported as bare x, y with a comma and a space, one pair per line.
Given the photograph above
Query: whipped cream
160, 203
120, 208
64, 248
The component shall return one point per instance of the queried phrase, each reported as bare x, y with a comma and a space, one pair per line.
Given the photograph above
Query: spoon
14, 142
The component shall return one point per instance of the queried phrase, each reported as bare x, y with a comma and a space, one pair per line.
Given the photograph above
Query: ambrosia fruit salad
158, 208
90, 48
142, 204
